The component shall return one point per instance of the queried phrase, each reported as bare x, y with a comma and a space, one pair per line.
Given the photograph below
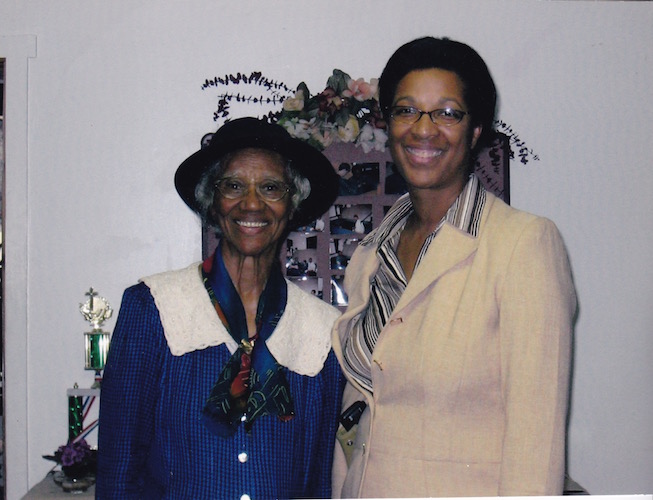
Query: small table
47, 488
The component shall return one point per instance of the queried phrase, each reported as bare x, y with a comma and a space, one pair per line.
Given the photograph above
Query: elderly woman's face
252, 224
431, 156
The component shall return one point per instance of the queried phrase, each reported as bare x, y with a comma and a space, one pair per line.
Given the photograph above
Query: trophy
96, 310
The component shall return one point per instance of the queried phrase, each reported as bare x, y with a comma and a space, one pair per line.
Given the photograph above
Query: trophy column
96, 310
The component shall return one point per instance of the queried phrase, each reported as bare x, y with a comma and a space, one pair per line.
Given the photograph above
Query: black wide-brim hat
254, 133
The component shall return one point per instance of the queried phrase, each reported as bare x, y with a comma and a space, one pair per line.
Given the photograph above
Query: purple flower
76, 452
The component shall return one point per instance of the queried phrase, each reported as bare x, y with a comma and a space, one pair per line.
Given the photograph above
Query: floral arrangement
76, 458
347, 110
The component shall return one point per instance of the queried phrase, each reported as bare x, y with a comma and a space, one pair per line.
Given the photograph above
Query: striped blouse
390, 281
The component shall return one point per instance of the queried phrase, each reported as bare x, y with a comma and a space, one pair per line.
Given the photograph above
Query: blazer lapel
450, 248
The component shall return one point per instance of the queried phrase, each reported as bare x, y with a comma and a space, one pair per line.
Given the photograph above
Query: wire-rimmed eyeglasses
442, 116
233, 188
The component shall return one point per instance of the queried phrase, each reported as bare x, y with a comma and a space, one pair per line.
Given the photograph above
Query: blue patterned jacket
151, 441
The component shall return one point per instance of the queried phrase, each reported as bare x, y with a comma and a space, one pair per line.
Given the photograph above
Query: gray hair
205, 189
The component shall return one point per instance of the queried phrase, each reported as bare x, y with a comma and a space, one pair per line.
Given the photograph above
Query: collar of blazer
450, 248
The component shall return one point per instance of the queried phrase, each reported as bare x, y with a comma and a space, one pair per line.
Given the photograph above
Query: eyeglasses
410, 115
269, 190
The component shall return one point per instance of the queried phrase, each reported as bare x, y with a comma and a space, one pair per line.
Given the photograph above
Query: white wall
114, 105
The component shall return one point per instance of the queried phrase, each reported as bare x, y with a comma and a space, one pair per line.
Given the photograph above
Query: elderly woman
456, 341
220, 381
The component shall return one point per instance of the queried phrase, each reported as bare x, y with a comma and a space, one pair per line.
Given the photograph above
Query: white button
245, 496
243, 418
242, 457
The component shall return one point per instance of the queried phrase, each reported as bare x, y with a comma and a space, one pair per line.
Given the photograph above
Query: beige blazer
471, 372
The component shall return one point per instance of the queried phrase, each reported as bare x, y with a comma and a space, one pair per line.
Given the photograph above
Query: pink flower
360, 89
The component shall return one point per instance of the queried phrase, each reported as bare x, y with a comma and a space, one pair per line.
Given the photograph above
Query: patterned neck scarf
252, 384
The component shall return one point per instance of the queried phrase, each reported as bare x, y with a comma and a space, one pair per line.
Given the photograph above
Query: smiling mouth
424, 153
251, 223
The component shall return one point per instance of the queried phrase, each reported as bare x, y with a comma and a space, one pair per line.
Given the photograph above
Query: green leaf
338, 81
302, 86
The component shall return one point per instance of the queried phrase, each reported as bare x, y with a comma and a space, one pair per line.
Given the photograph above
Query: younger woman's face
431, 156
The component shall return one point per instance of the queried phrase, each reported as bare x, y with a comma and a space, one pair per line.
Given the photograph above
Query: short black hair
479, 91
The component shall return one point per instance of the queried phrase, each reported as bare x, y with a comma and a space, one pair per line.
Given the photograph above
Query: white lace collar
301, 341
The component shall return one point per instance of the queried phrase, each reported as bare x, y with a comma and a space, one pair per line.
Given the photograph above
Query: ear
213, 217
292, 210
476, 133
291, 215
